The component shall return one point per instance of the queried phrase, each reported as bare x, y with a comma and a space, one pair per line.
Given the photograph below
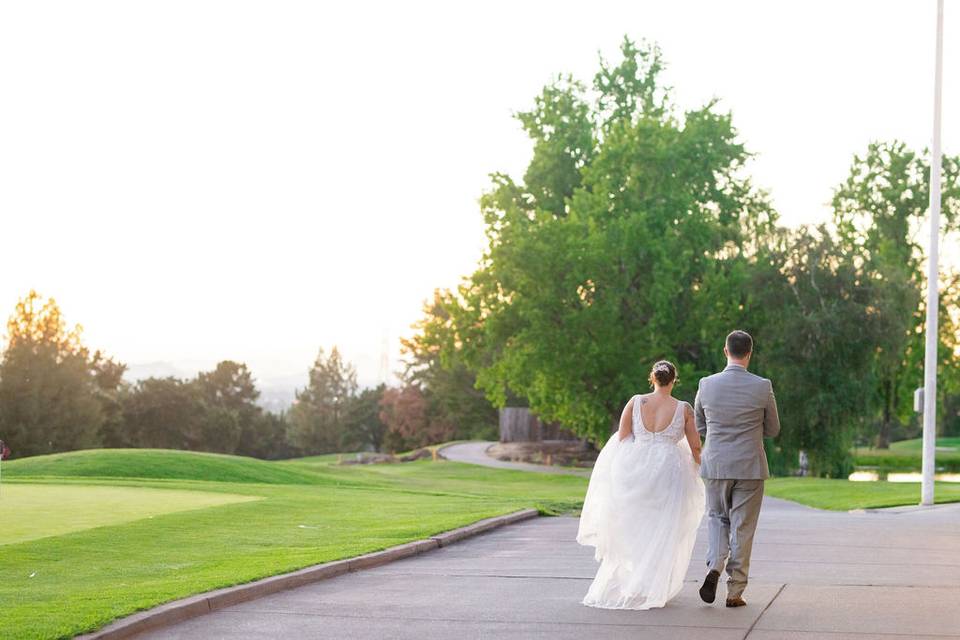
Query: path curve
475, 452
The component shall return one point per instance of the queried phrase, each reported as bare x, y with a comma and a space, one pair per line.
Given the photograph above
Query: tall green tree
878, 214
434, 364
232, 415
626, 242
318, 417
111, 388
271, 441
167, 413
48, 383
818, 348
363, 429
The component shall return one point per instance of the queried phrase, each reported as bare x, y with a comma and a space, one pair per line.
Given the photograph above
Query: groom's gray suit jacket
735, 410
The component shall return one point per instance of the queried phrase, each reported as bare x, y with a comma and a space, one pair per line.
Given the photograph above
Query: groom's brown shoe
708, 590
736, 602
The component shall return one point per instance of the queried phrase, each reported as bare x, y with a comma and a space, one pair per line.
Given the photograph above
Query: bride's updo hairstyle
662, 373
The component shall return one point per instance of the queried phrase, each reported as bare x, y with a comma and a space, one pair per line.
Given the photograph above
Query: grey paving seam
769, 604
199, 604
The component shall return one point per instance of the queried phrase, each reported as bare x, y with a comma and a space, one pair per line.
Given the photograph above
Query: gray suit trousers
733, 507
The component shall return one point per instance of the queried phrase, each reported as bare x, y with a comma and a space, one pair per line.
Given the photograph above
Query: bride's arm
690, 430
626, 421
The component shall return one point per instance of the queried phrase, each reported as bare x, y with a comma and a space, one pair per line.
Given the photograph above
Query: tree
111, 388
271, 441
48, 385
878, 212
363, 429
167, 413
319, 413
232, 415
818, 348
628, 242
435, 365
405, 411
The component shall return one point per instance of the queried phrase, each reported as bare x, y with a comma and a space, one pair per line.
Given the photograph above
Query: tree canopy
636, 234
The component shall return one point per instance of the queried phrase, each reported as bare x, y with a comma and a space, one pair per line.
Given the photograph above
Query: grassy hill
161, 464
96, 568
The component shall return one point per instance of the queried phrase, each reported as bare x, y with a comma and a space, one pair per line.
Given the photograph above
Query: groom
734, 410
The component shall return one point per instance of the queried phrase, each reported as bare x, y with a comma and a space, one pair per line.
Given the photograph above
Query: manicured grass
159, 464
32, 511
906, 455
916, 444
844, 495
947, 448
308, 512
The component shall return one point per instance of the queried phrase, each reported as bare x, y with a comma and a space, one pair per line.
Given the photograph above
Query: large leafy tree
878, 215
626, 241
817, 348
48, 383
434, 364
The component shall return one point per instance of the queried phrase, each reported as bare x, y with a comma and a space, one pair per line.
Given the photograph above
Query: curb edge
199, 604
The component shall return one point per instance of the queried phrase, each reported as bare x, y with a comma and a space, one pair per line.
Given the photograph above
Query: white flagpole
933, 294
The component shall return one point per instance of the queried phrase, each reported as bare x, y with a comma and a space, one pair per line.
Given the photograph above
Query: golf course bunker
31, 511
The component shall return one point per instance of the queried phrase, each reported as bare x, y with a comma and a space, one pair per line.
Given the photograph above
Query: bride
644, 501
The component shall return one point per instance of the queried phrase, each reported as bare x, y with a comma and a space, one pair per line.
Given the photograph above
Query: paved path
815, 575
475, 453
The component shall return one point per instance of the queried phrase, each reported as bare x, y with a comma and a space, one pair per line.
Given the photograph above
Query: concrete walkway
475, 452
815, 575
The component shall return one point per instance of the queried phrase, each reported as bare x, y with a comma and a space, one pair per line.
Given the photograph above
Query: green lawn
33, 511
905, 455
916, 444
306, 512
843, 495
125, 530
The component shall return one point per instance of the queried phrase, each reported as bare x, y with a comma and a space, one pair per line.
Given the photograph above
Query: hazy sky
197, 180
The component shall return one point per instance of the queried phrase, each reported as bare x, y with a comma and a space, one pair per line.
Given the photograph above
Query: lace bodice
672, 433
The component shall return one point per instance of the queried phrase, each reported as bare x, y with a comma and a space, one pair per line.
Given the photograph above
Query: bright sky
197, 180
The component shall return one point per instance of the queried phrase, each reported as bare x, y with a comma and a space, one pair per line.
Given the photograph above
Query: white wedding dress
641, 513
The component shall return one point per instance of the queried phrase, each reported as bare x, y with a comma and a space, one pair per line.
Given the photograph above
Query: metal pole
933, 294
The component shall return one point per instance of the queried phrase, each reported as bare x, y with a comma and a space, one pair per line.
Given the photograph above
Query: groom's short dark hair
739, 344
